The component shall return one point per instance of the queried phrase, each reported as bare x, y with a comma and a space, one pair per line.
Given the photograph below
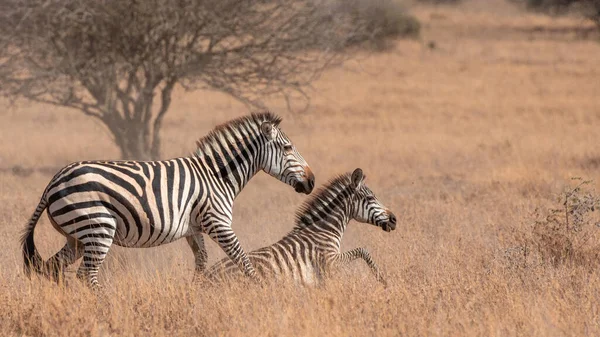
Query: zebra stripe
149, 203
312, 248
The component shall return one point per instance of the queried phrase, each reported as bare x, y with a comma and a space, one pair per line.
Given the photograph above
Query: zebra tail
31, 257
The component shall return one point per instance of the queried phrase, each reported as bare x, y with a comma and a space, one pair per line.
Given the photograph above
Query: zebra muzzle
389, 225
303, 187
307, 185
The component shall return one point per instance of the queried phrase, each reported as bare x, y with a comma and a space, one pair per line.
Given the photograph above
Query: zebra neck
235, 166
328, 221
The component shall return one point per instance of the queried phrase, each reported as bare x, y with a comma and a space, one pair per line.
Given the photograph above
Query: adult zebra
145, 204
312, 248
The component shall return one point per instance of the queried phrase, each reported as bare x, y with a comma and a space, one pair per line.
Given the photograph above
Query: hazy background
463, 133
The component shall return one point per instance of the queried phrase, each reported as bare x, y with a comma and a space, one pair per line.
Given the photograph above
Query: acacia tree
119, 60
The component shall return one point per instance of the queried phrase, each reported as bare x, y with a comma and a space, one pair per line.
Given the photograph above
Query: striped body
149, 203
312, 249
138, 204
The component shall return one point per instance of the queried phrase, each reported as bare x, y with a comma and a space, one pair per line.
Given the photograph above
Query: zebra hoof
255, 279
96, 288
382, 280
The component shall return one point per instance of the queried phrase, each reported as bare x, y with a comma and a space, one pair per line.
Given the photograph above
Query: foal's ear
357, 178
268, 129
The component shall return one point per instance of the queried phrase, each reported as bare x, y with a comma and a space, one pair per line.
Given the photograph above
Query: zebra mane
336, 188
221, 133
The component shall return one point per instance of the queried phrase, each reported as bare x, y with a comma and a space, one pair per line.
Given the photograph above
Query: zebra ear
268, 130
357, 178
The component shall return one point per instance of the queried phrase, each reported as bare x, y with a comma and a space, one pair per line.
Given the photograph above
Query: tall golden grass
463, 141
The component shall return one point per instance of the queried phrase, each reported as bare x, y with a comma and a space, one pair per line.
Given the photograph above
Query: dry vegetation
464, 139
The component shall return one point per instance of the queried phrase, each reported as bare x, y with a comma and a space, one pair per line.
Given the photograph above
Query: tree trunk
133, 146
131, 138
135, 130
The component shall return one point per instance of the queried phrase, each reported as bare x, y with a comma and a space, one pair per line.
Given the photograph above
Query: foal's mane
336, 188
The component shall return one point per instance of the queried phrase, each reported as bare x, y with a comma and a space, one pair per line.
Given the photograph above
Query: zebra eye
288, 148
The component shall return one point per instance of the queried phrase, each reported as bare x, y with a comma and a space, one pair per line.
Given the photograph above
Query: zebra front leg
69, 253
351, 255
196, 242
225, 237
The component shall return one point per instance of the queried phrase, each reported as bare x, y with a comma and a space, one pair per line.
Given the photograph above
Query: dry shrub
543, 4
440, 2
552, 6
381, 22
587, 8
564, 234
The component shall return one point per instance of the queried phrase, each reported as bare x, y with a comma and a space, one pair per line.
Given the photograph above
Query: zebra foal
95, 204
312, 248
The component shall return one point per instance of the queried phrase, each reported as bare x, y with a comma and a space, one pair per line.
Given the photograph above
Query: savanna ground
462, 141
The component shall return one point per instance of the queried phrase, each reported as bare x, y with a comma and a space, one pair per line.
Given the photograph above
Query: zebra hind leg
95, 248
57, 264
196, 242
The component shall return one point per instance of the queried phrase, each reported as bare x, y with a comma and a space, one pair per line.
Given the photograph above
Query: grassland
462, 141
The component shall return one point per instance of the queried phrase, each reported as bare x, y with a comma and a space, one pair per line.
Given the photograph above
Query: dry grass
462, 142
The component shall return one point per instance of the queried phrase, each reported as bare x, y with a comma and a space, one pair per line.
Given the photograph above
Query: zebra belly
153, 234
91, 213
305, 272
273, 262
286, 264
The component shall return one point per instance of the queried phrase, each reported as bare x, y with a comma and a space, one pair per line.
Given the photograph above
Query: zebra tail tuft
31, 257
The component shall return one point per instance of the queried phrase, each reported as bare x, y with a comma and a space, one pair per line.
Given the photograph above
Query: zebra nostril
311, 183
392, 218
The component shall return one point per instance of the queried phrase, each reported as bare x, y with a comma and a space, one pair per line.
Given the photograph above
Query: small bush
588, 8
555, 5
565, 233
381, 21
440, 2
